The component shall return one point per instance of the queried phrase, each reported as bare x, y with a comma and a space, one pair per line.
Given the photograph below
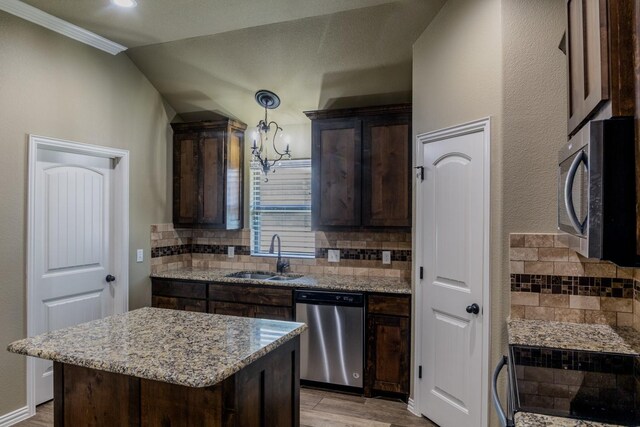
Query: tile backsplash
549, 281
360, 252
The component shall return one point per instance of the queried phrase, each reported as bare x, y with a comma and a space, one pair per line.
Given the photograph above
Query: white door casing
77, 234
452, 246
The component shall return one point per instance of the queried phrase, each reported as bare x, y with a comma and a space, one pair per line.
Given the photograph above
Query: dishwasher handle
349, 299
502, 417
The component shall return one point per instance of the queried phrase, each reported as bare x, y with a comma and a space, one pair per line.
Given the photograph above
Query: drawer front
172, 288
231, 309
186, 304
273, 313
389, 304
251, 294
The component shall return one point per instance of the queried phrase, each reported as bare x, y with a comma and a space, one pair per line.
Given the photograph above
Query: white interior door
452, 226
73, 203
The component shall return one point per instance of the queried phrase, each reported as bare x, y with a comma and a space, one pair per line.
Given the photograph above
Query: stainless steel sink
255, 275
263, 275
285, 277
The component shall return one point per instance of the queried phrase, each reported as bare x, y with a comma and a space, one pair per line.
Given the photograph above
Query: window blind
282, 205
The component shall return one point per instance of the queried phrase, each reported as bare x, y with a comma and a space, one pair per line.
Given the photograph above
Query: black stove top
588, 385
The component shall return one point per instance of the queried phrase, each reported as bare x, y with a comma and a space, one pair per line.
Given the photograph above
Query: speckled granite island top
329, 282
574, 336
177, 347
527, 419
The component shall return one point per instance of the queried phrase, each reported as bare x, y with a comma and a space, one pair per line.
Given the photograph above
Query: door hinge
421, 272
420, 172
420, 372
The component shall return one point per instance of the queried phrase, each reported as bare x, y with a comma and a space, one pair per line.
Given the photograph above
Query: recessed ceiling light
125, 3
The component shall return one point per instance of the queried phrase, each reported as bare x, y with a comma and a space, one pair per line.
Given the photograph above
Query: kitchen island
163, 367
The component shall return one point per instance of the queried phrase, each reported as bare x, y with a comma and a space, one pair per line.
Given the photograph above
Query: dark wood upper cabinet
336, 184
361, 168
207, 174
600, 69
386, 176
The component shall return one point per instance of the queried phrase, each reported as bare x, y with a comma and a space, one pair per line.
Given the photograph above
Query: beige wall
535, 112
456, 79
499, 58
53, 86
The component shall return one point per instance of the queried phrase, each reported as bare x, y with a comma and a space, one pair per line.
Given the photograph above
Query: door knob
473, 308
110, 278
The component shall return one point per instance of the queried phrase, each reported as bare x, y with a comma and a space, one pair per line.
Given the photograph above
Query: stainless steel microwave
597, 191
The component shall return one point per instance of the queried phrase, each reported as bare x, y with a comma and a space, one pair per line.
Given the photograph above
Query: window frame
254, 168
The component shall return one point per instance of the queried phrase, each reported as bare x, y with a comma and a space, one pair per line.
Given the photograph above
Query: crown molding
37, 16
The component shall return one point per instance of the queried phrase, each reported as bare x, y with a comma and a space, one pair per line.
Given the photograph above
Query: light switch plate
231, 251
140, 255
334, 255
386, 257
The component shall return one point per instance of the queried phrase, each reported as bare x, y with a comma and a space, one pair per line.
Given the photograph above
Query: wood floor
317, 409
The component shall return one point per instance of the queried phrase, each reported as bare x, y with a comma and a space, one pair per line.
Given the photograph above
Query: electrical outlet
386, 257
231, 251
334, 255
140, 255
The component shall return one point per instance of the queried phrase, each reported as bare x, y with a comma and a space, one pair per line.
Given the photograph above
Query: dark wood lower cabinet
273, 313
265, 393
230, 309
260, 295
266, 302
249, 310
387, 320
179, 295
388, 352
185, 304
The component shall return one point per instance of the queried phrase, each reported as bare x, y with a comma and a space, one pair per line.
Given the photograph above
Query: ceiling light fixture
269, 101
125, 3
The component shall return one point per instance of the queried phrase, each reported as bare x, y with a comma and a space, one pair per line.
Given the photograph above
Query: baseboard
411, 407
15, 417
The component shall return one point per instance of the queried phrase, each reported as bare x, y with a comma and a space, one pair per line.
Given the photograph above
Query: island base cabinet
264, 393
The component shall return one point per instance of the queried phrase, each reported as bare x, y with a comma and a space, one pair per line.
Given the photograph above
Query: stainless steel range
593, 386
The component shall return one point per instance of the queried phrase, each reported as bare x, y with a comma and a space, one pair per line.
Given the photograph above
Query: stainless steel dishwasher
332, 349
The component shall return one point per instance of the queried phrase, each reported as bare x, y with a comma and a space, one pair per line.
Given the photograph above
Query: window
282, 205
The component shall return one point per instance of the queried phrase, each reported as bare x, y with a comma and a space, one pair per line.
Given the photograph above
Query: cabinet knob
110, 278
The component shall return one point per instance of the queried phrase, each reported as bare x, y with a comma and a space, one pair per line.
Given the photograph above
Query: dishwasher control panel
340, 298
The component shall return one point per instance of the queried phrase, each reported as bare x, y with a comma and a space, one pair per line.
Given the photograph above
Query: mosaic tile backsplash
552, 282
360, 252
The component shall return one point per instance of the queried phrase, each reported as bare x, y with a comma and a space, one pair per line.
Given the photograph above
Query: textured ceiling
159, 21
352, 58
212, 55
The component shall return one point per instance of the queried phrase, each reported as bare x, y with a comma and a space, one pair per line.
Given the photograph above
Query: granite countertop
570, 336
574, 336
328, 281
528, 419
177, 347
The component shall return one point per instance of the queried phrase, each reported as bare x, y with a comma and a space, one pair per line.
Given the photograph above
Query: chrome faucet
281, 264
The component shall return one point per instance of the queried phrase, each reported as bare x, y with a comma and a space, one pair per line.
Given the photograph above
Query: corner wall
499, 58
457, 78
53, 86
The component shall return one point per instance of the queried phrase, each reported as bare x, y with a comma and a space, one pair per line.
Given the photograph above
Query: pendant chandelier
269, 101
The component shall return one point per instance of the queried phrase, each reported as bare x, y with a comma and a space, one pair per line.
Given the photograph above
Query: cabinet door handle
568, 192
502, 417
